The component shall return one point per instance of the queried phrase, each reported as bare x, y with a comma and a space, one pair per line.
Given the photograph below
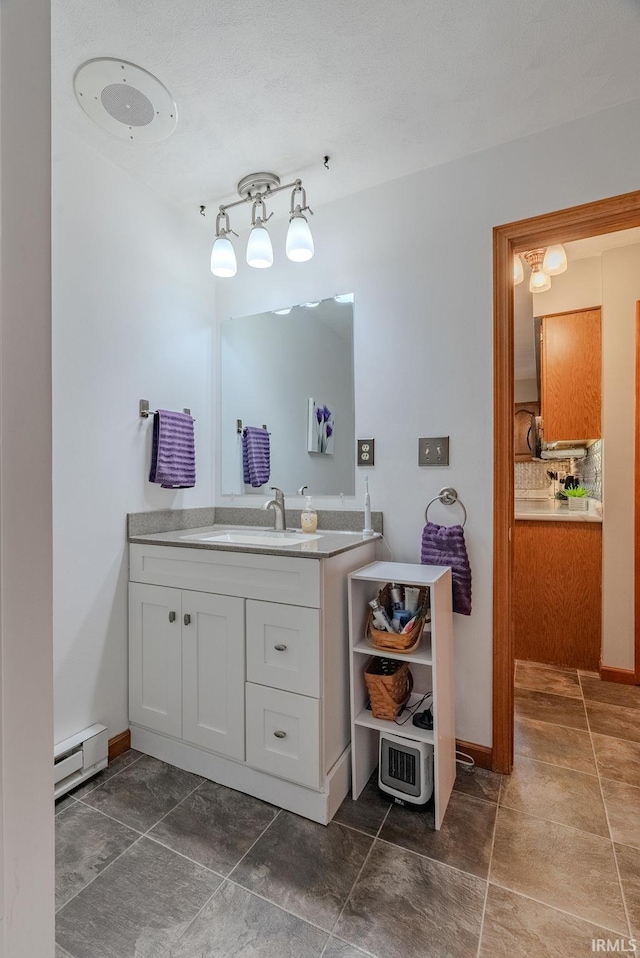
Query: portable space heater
405, 769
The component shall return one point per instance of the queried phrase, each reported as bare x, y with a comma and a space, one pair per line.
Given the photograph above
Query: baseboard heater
79, 757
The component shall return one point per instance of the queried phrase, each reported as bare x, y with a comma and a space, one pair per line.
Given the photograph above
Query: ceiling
385, 87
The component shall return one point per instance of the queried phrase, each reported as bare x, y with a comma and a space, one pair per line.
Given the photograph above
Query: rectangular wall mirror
291, 370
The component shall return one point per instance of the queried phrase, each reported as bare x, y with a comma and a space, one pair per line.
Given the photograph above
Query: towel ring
447, 496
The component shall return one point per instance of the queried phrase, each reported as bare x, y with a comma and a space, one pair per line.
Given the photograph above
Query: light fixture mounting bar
258, 180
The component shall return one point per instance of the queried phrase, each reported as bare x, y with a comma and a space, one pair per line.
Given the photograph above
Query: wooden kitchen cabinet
557, 593
523, 448
571, 376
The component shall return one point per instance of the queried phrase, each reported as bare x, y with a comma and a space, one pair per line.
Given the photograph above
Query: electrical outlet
433, 451
366, 452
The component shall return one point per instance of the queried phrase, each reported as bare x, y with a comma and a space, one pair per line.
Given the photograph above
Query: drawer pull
172, 617
280, 648
280, 734
187, 619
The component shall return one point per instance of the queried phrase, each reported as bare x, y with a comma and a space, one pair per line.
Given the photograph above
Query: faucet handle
279, 493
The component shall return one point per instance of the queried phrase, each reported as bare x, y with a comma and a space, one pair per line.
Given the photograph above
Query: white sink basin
253, 538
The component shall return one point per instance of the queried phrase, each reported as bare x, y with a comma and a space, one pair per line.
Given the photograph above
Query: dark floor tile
117, 765
478, 782
515, 927
554, 744
623, 809
236, 923
86, 842
464, 841
368, 811
145, 791
307, 868
60, 953
544, 707
629, 865
559, 866
215, 826
63, 802
617, 759
406, 906
557, 794
340, 949
541, 679
614, 721
138, 907
611, 693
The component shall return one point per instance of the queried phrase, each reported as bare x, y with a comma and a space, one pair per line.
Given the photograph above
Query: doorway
604, 216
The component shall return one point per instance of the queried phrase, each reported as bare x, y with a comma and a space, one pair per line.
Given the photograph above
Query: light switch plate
366, 452
433, 451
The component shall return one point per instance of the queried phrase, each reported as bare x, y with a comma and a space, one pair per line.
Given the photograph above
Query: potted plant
578, 499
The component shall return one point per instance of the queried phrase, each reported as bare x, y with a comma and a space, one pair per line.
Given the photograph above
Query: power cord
410, 712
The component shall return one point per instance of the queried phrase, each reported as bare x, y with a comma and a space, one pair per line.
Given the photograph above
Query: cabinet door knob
280, 734
187, 618
172, 617
280, 648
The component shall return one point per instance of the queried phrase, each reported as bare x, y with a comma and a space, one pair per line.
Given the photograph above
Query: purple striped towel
445, 545
173, 455
256, 456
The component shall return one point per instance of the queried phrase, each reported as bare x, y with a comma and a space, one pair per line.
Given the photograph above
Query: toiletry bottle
397, 601
309, 517
367, 532
380, 616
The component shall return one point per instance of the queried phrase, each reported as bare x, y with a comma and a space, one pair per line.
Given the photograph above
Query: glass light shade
311, 305
518, 271
259, 248
282, 312
555, 260
223, 258
299, 239
344, 298
539, 282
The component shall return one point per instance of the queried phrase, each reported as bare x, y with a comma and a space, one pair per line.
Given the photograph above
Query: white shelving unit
432, 670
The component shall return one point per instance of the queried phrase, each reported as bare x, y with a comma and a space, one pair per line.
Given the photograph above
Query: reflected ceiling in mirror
289, 370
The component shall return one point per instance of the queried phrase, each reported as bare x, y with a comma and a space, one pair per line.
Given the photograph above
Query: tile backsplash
533, 475
589, 470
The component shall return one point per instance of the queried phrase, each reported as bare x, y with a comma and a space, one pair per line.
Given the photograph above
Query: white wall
525, 390
271, 366
27, 855
620, 291
133, 303
417, 253
578, 288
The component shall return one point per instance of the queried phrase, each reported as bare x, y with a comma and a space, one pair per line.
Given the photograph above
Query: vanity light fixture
282, 312
344, 298
255, 189
544, 263
311, 305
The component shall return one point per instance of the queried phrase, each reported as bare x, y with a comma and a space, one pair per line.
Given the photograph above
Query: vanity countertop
328, 543
553, 510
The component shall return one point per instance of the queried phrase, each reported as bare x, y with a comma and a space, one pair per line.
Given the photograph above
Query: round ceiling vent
125, 100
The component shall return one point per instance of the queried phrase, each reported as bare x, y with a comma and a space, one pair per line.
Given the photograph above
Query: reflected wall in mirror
291, 370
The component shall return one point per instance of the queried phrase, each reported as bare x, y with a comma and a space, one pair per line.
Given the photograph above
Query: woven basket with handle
397, 641
389, 684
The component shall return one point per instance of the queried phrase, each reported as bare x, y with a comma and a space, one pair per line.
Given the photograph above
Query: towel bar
447, 496
240, 426
145, 412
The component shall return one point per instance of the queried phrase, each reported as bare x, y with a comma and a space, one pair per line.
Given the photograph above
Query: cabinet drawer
283, 647
243, 574
283, 734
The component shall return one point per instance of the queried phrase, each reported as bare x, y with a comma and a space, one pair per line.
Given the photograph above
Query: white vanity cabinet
239, 669
186, 666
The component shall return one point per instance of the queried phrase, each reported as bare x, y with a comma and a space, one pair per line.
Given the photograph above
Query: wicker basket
389, 684
397, 641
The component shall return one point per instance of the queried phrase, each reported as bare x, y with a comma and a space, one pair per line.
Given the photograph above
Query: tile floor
153, 862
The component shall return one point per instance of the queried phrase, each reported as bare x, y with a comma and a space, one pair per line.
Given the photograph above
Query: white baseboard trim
319, 806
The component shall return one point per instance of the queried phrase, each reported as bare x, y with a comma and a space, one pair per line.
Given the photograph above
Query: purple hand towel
173, 455
256, 456
445, 545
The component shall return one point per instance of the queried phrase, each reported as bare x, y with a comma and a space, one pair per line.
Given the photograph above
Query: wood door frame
636, 519
564, 226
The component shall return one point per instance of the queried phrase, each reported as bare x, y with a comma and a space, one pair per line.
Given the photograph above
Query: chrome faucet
277, 504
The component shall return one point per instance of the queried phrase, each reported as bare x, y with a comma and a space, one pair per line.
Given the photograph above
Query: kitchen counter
329, 543
553, 510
